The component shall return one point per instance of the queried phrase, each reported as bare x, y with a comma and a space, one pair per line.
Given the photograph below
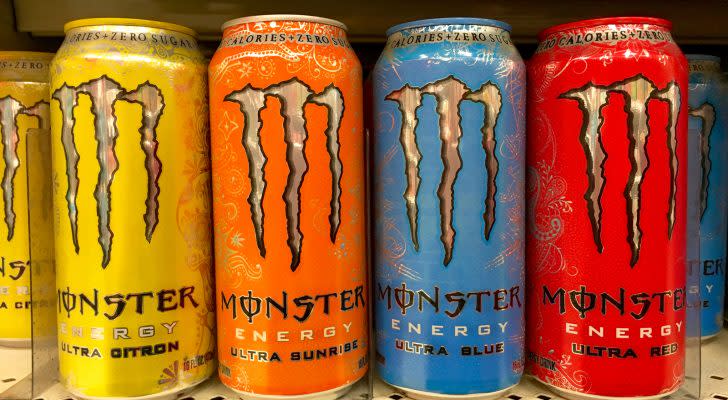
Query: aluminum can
708, 121
131, 168
448, 208
23, 106
607, 128
289, 208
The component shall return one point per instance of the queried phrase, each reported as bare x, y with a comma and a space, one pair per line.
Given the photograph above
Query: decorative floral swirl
237, 268
395, 244
241, 380
318, 59
578, 381
678, 377
545, 211
193, 211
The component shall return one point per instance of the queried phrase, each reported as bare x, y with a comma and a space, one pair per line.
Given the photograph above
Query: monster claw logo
706, 113
449, 93
293, 96
637, 92
10, 109
490, 97
104, 92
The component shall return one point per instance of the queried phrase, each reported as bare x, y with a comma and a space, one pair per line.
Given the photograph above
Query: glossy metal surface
708, 121
448, 174
289, 200
23, 107
132, 204
607, 199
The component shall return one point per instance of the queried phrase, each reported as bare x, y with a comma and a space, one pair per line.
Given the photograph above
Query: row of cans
583, 233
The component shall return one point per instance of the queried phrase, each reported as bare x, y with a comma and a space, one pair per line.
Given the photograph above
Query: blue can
708, 122
448, 207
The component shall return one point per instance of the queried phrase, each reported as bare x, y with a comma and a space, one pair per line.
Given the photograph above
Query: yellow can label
132, 203
23, 106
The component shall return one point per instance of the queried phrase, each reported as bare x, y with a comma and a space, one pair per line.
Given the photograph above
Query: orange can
289, 207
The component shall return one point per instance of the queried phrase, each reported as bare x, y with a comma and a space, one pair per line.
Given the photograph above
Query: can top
699, 64
284, 17
128, 22
448, 21
604, 21
702, 57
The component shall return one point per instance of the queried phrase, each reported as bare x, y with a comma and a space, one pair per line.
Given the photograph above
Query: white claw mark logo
637, 92
293, 96
706, 113
104, 92
449, 93
10, 109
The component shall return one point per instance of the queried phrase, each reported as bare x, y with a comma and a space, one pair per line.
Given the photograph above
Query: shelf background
368, 20
699, 26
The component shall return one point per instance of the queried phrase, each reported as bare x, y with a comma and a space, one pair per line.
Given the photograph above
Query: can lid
284, 17
128, 22
604, 21
449, 21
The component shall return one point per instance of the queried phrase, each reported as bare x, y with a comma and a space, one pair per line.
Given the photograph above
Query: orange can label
289, 208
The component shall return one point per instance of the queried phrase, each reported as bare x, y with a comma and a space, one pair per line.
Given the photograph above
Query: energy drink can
449, 209
708, 121
23, 106
607, 168
289, 208
132, 201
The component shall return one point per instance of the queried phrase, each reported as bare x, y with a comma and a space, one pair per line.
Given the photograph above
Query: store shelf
714, 365
15, 368
15, 365
368, 20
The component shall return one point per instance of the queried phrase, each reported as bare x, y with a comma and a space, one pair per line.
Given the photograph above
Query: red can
607, 166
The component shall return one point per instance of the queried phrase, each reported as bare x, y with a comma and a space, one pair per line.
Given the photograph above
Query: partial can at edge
131, 177
23, 106
448, 208
289, 200
607, 201
708, 121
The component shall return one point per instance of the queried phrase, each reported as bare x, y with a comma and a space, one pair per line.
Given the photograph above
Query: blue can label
448, 144
707, 125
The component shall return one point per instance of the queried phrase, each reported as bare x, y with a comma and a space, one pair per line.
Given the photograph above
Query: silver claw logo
10, 109
104, 92
706, 114
449, 93
637, 93
293, 96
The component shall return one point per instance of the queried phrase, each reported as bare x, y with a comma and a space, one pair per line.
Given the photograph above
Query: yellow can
131, 174
23, 106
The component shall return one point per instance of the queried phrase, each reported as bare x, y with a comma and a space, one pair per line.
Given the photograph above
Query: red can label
607, 201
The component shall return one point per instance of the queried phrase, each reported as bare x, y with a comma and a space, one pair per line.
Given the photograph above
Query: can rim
702, 57
449, 21
128, 22
284, 17
585, 23
33, 54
